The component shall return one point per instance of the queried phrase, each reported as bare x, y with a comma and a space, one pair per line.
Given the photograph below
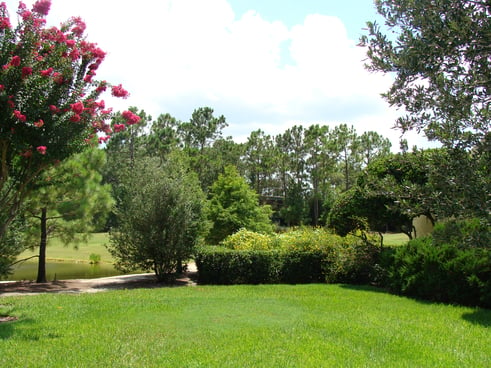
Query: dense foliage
442, 79
234, 205
441, 64
298, 172
69, 202
298, 256
451, 266
160, 219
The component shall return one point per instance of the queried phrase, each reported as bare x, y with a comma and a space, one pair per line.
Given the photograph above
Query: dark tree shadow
6, 328
479, 316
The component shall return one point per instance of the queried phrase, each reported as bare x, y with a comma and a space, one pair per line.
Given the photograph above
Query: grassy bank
242, 326
57, 251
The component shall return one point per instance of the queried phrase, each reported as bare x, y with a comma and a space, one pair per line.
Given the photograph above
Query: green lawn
57, 251
391, 239
242, 326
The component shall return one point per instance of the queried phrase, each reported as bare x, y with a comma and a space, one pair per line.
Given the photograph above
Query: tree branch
23, 260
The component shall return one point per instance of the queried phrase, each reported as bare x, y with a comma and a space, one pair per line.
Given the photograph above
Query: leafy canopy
440, 58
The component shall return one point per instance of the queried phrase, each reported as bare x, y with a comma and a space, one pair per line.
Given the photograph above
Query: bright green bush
248, 240
305, 238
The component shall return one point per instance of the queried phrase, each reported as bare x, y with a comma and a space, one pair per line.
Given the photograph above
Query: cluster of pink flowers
119, 128
68, 46
130, 117
119, 91
42, 7
18, 115
41, 149
77, 107
4, 20
39, 123
46, 72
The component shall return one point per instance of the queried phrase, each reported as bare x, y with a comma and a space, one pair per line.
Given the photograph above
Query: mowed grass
391, 239
242, 326
58, 252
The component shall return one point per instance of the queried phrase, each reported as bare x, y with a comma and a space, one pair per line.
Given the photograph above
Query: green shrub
351, 260
219, 265
248, 240
474, 232
299, 256
445, 273
94, 258
302, 267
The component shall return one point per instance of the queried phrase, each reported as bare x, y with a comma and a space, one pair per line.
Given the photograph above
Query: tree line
298, 172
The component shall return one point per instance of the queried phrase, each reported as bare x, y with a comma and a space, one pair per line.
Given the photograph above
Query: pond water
63, 271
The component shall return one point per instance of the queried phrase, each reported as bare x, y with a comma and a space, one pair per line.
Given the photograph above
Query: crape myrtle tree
50, 106
439, 54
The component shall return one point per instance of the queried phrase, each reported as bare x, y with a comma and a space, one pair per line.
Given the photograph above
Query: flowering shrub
50, 104
248, 240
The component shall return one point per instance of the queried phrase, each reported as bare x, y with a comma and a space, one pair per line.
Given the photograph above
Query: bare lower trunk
42, 247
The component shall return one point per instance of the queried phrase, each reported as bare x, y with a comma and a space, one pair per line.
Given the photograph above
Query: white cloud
176, 55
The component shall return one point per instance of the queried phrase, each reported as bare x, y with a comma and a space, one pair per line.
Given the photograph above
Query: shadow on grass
9, 323
480, 317
366, 288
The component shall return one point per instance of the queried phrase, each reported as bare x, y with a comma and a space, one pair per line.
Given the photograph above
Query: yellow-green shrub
248, 240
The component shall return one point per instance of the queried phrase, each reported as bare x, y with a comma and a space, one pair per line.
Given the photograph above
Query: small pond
63, 271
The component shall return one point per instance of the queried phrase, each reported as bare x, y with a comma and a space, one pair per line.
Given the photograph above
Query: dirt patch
147, 280
7, 319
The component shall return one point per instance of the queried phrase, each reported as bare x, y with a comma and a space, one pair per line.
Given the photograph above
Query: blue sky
266, 65
353, 13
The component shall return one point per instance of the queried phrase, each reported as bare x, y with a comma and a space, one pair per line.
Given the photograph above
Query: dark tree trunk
42, 247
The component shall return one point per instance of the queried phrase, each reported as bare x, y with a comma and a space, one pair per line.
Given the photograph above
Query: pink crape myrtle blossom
54, 109
119, 91
77, 107
75, 118
18, 115
79, 26
104, 139
42, 7
27, 70
119, 128
41, 149
15, 61
4, 23
46, 72
130, 117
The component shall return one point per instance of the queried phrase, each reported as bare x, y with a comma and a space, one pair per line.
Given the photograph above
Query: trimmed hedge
219, 265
